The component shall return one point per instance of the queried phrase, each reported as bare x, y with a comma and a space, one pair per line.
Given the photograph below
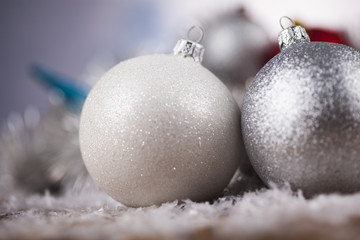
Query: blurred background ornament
301, 116
235, 45
158, 128
40, 153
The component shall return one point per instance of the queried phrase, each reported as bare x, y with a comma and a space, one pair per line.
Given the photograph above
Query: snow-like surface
91, 214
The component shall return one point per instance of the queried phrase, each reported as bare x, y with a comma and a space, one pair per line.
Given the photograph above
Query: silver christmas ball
301, 118
234, 46
159, 128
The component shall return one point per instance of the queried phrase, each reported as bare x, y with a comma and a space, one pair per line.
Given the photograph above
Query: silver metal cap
291, 35
189, 48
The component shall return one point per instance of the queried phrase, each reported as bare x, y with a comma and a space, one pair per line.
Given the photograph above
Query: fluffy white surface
91, 214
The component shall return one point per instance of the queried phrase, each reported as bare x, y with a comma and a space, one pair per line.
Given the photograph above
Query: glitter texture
301, 118
158, 128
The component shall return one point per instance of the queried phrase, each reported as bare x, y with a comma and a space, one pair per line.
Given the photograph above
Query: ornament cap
189, 48
290, 35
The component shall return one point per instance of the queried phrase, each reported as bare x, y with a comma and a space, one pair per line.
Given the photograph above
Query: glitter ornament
159, 128
301, 116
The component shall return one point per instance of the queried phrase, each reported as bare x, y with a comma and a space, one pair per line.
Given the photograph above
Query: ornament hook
288, 18
201, 33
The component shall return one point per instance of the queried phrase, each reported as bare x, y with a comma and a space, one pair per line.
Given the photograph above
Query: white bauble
160, 128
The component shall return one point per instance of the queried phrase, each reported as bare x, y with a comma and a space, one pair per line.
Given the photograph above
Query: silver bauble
159, 128
301, 118
234, 46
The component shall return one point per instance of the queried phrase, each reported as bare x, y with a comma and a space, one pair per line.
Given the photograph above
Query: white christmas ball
159, 128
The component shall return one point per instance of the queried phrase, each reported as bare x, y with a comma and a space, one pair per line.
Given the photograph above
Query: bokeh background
83, 38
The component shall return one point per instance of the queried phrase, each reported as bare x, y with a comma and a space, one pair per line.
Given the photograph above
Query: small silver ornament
301, 116
234, 46
159, 128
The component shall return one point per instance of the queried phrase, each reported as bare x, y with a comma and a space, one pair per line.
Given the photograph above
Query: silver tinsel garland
39, 154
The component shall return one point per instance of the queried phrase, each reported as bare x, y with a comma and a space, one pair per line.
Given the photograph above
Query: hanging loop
199, 29
288, 18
